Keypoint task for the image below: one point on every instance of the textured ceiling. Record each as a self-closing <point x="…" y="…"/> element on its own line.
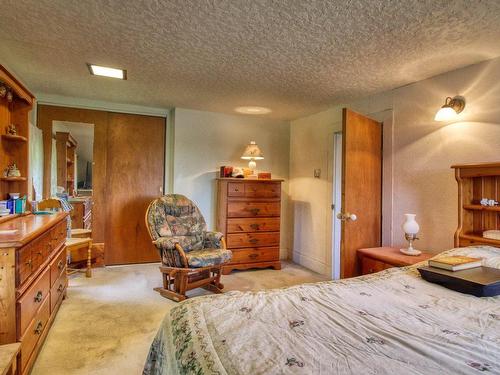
<point x="296" y="57"/>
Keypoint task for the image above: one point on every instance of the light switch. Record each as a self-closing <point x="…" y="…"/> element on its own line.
<point x="317" y="173"/>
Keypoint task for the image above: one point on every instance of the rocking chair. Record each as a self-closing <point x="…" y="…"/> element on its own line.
<point x="191" y="256"/>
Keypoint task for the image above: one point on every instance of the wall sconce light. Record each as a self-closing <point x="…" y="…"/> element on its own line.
<point x="451" y="108"/>
<point x="252" y="153"/>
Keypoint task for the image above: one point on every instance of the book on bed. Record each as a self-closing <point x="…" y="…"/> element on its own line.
<point x="480" y="281"/>
<point x="455" y="263"/>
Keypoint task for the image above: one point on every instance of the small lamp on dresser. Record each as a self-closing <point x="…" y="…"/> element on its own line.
<point x="252" y="152"/>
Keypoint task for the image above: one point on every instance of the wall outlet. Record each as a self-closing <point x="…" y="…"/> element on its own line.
<point x="317" y="173"/>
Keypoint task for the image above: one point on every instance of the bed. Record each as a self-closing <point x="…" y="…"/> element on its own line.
<point x="391" y="322"/>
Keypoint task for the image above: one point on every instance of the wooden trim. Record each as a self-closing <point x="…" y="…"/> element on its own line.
<point x="234" y="179"/>
<point x="20" y="90"/>
<point x="477" y="165"/>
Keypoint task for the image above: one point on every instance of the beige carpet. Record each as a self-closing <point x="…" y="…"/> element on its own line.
<point x="107" y="323"/>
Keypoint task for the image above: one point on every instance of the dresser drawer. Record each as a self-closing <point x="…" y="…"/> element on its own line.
<point x="369" y="265"/>
<point x="269" y="224"/>
<point x="249" y="255"/>
<point x="58" y="235"/>
<point x="57" y="266"/>
<point x="235" y="240"/>
<point x="236" y="189"/>
<point x="262" y="190"/>
<point x="57" y="290"/>
<point x="23" y="264"/>
<point x="34" y="331"/>
<point x="40" y="250"/>
<point x="32" y="299"/>
<point x="253" y="209"/>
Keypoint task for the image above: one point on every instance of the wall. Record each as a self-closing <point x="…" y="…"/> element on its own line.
<point x="205" y="140"/>
<point x="418" y="153"/>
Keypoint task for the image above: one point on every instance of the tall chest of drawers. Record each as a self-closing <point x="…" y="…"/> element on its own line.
<point x="32" y="281"/>
<point x="248" y="214"/>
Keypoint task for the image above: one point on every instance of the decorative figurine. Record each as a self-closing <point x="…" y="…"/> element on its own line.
<point x="11" y="129"/>
<point x="13" y="171"/>
<point x="3" y="91"/>
<point x="10" y="96"/>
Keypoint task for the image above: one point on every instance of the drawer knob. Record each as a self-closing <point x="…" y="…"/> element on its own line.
<point x="60" y="288"/>
<point x="28" y="263"/>
<point x="39" y="328"/>
<point x="39" y="296"/>
<point x="254" y="211"/>
<point x="254" y="240"/>
<point x="253" y="256"/>
<point x="255" y="226"/>
<point x="60" y="264"/>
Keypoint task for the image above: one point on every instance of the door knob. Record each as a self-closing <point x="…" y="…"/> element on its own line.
<point x="346" y="216"/>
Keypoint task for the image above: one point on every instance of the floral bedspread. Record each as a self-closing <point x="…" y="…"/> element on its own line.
<point x="392" y="322"/>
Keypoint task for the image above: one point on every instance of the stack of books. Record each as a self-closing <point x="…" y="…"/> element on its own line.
<point x="463" y="274"/>
<point x="455" y="263"/>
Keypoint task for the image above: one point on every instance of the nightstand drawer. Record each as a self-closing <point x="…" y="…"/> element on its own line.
<point x="369" y="265"/>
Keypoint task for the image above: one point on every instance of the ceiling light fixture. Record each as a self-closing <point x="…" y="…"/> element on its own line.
<point x="451" y="108"/>
<point x="251" y="110"/>
<point x="104" y="71"/>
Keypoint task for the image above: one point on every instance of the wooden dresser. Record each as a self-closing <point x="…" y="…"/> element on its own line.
<point x="81" y="216"/>
<point x="248" y="213"/>
<point x="32" y="281"/>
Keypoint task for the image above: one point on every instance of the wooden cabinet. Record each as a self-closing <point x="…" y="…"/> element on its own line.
<point x="376" y="259"/>
<point x="248" y="213"/>
<point x="33" y="275"/>
<point x="14" y="147"/>
<point x="475" y="182"/>
<point x="81" y="215"/>
<point x="66" y="161"/>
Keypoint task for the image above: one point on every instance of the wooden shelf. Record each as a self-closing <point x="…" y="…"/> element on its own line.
<point x="478" y="207"/>
<point x="13" y="178"/>
<point x="15" y="138"/>
<point x="477" y="237"/>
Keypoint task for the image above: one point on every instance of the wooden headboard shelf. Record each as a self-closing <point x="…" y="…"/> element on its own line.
<point x="477" y="181"/>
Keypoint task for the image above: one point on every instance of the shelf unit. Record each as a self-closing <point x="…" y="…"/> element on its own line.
<point x="66" y="158"/>
<point x="477" y="181"/>
<point x="14" y="148"/>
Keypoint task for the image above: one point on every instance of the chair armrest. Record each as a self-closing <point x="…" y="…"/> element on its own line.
<point x="171" y="251"/>
<point x="167" y="243"/>
<point x="212" y="240"/>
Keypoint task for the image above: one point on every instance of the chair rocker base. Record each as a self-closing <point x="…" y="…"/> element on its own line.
<point x="177" y="281"/>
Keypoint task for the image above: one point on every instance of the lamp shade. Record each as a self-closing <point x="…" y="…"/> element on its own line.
<point x="445" y="114"/>
<point x="252" y="152"/>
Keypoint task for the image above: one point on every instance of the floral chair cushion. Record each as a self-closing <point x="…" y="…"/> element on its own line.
<point x="208" y="257"/>
<point x="174" y="219"/>
<point x="176" y="215"/>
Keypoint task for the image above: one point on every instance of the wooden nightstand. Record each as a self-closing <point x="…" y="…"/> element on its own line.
<point x="376" y="259"/>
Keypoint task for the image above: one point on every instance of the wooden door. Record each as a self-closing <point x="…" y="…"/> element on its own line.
<point x="135" y="168"/>
<point x="361" y="188"/>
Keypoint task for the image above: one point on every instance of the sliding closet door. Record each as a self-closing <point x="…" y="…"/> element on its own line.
<point x="135" y="168"/>
<point x="361" y="188"/>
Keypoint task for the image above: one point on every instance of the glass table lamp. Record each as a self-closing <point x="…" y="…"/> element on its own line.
<point x="410" y="229"/>
<point x="252" y="152"/>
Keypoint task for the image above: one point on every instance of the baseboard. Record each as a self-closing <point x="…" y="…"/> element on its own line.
<point x="311" y="263"/>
